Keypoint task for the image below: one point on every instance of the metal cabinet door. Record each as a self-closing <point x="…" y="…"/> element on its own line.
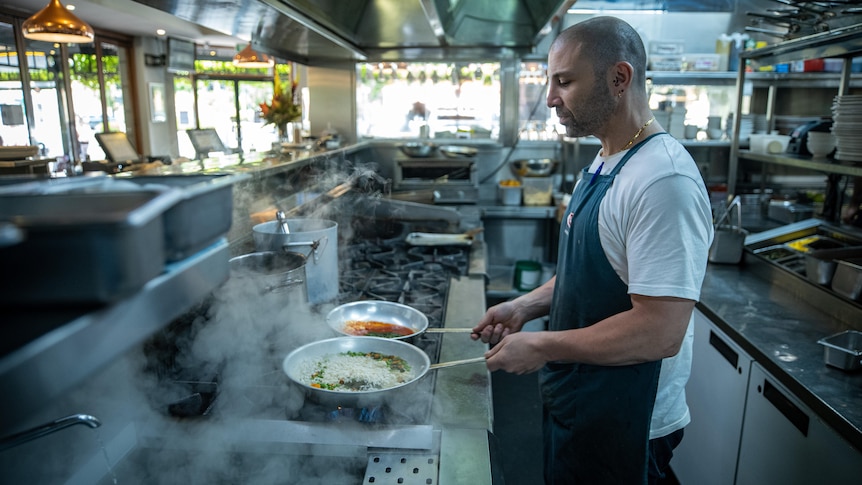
<point x="716" y="399"/>
<point x="784" y="442"/>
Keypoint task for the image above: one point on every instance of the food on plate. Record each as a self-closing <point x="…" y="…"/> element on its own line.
<point x="355" y="371"/>
<point x="373" y="328"/>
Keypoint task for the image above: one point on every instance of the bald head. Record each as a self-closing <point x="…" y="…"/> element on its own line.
<point x="608" y="40"/>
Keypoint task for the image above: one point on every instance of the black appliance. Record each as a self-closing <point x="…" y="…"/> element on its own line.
<point x="798" y="143"/>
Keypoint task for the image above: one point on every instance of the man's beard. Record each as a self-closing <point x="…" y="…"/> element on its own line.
<point x="589" y="119"/>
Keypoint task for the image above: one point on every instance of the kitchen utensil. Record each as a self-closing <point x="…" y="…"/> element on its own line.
<point x="384" y="312"/>
<point x="536" y="167"/>
<point x="847" y="279"/>
<point x="417" y="150"/>
<point x="457" y="151"/>
<point x="297" y="360"/>
<point x="203" y="213"/>
<point x="319" y="237"/>
<point x="273" y="272"/>
<point x="843" y="350"/>
<point x="410" y="321"/>
<point x="435" y="239"/>
<point x="820" y="265"/>
<point x="728" y="240"/>
<point x="83" y="248"/>
<point x="510" y="192"/>
<point x="282" y="221"/>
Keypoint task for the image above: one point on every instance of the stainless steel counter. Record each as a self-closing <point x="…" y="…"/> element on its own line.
<point x="780" y="331"/>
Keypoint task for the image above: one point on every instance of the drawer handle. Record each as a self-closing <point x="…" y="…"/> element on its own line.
<point x="796" y="416"/>
<point x="723" y="349"/>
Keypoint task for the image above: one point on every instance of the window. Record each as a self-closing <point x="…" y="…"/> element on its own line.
<point x="454" y="100"/>
<point x="98" y="72"/>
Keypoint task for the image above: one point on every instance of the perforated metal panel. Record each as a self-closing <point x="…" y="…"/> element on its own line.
<point x="398" y="467"/>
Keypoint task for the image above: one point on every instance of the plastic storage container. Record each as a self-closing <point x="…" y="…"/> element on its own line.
<point x="538" y="190"/>
<point x="510" y="194"/>
<point x="527" y="275"/>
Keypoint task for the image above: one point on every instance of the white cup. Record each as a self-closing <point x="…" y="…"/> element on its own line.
<point x="690" y="132"/>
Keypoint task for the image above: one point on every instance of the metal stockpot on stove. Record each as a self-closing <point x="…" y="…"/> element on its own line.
<point x="318" y="239"/>
<point x="273" y="272"/>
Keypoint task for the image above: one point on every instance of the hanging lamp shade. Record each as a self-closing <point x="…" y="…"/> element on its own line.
<point x="55" y="23"/>
<point x="250" y="58"/>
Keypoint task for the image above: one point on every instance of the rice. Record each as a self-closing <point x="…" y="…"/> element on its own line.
<point x="354" y="371"/>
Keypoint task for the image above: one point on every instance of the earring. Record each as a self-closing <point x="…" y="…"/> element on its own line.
<point x="620" y="94"/>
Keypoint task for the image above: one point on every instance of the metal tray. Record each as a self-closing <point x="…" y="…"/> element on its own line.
<point x="202" y="214"/>
<point x="843" y="350"/>
<point x="847" y="280"/>
<point x="82" y="248"/>
<point x="820" y="265"/>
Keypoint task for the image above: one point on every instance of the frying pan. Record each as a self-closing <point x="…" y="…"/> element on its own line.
<point x="418" y="361"/>
<point x="384" y="312"/>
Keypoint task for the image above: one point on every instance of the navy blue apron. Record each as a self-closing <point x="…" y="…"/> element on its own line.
<point x="596" y="418"/>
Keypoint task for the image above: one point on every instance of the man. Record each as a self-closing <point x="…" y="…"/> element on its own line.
<point x="633" y="251"/>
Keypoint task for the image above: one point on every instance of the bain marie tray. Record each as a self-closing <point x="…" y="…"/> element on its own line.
<point x="843" y="350"/>
<point x="203" y="213"/>
<point x="82" y="248"/>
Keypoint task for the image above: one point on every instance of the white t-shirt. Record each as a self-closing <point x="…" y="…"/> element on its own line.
<point x="640" y="214"/>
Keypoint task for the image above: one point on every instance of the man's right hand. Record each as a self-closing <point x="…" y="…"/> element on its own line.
<point x="500" y="320"/>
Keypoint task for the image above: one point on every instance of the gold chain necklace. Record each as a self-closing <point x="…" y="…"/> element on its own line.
<point x="649" y="121"/>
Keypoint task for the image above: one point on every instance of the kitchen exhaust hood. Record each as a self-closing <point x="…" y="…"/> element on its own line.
<point x="327" y="31"/>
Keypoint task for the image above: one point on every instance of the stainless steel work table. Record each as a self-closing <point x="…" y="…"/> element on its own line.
<point x="770" y="324"/>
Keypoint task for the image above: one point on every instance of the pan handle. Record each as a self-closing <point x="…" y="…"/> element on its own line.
<point x="440" y="365"/>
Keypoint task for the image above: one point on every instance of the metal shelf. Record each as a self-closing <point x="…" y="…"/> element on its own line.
<point x="843" y="42"/>
<point x="802" y="162"/>
<point x="78" y="345"/>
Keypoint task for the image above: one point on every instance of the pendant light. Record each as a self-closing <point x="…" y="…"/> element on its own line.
<point x="250" y="58"/>
<point x="55" y="23"/>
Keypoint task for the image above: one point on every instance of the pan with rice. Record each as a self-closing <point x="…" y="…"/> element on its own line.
<point x="355" y="370"/>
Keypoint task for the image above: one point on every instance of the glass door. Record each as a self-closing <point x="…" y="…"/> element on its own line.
<point x="13" y="120"/>
<point x="232" y="108"/>
<point x="98" y="73"/>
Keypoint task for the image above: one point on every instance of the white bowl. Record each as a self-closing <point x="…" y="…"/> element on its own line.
<point x="820" y="135"/>
<point x="820" y="148"/>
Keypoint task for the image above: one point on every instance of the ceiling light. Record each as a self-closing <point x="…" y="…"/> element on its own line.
<point x="249" y="58"/>
<point x="56" y="24"/>
<point x="160" y="32"/>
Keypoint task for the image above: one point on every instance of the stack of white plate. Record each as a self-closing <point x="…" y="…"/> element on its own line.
<point x="760" y="125"/>
<point x="847" y="127"/>
<point x="746" y="126"/>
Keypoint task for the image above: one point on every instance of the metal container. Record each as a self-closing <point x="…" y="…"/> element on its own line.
<point x="843" y="350"/>
<point x="317" y="239"/>
<point x="296" y="361"/>
<point x="81" y="248"/>
<point x="728" y="241"/>
<point x="847" y="279"/>
<point x="820" y="265"/>
<point x="418" y="150"/>
<point x="272" y="272"/>
<point x="379" y="311"/>
<point x="537" y="167"/>
<point x="510" y="194"/>
<point x="788" y="212"/>
<point x="201" y="216"/>
<point x="458" y="151"/>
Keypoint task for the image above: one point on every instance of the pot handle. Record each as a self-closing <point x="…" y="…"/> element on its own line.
<point x="317" y="247"/>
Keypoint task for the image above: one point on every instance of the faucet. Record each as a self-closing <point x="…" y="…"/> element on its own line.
<point x="47" y="428"/>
